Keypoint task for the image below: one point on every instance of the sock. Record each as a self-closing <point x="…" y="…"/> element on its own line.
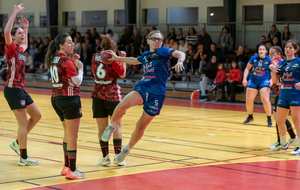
<point x="72" y="159"/>
<point x="289" y="129"/>
<point x="104" y="147"/>
<point x="66" y="154"/>
<point x="17" y="141"/>
<point x="251" y="116"/>
<point x="278" y="139"/>
<point x="23" y="153"/>
<point x="283" y="140"/>
<point x="117" y="145"/>
<point x="269" y="118"/>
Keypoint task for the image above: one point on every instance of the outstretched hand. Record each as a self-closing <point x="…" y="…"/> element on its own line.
<point x="24" y="22"/>
<point x="114" y="56"/>
<point x="122" y="53"/>
<point x="274" y="68"/>
<point x="178" y="67"/>
<point x="19" y="8"/>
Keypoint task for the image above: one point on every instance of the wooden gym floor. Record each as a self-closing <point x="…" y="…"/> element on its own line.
<point x="190" y="145"/>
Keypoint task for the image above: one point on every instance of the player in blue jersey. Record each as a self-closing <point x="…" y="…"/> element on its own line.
<point x="150" y="91"/>
<point x="259" y="80"/>
<point x="289" y="99"/>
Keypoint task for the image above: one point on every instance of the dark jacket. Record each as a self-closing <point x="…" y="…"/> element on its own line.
<point x="205" y="40"/>
<point x="212" y="70"/>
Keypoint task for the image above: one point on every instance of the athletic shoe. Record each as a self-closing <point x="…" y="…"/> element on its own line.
<point x="14" y="145"/>
<point x="104" y="161"/>
<point x="27" y="162"/>
<point x="202" y="98"/>
<point x="119" y="163"/>
<point x="270" y="123"/>
<point x="77" y="174"/>
<point x="248" y="120"/>
<point x="107" y="132"/>
<point x="281" y="147"/>
<point x="64" y="171"/>
<point x="296" y="151"/>
<point x="293" y="142"/>
<point x="273" y="145"/>
<point x="122" y="155"/>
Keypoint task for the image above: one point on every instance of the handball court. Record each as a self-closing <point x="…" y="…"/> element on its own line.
<point x="190" y="145"/>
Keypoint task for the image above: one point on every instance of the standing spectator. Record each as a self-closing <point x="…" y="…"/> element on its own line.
<point x="189" y="59"/>
<point x="134" y="43"/>
<point x="234" y="78"/>
<point x="276" y="42"/>
<point x="182" y="45"/>
<point x="77" y="46"/>
<point x="286" y="35"/>
<point x="263" y="40"/>
<point x="220" y="81"/>
<point x="114" y="36"/>
<point x="179" y="35"/>
<point x="144" y="41"/>
<point x="241" y="58"/>
<point x="172" y="34"/>
<point x="208" y="77"/>
<point x="274" y="33"/>
<point x="214" y="52"/>
<point x="86" y="56"/>
<point x="98" y="47"/>
<point x="204" y="39"/>
<point x="192" y="36"/>
<point x="225" y="41"/>
<point x="200" y="57"/>
<point x="124" y="39"/>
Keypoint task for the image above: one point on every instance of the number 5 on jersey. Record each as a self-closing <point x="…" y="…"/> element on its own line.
<point x="54" y="74"/>
<point x="100" y="72"/>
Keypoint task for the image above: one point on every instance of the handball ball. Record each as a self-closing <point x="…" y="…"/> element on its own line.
<point x="105" y="57"/>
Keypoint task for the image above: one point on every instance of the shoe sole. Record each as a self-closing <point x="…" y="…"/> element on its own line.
<point x="107" y="164"/>
<point x="74" y="178"/>
<point x="14" y="149"/>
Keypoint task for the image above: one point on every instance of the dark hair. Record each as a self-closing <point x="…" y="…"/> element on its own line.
<point x="225" y="27"/>
<point x="220" y="64"/>
<point x="14" y="30"/>
<point x="214" y="45"/>
<point x="155" y="32"/>
<point x="274" y="26"/>
<point x="236" y="63"/>
<point x="295" y="45"/>
<point x="108" y="44"/>
<point x="182" y="39"/>
<point x="153" y="28"/>
<point x="264" y="45"/>
<point x="109" y="31"/>
<point x="288" y="33"/>
<point x="54" y="46"/>
<point x="277" y="50"/>
<point x="193" y="31"/>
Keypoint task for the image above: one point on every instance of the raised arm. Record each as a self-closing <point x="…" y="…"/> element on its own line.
<point x="10" y="23"/>
<point x="25" y="25"/>
<point x="128" y="60"/>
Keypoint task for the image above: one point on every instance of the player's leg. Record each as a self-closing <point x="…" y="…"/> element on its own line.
<point x="250" y="96"/>
<point x="295" y="111"/>
<point x="282" y="113"/>
<point x="265" y="99"/>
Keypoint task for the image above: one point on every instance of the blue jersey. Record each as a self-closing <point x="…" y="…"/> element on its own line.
<point x="289" y="75"/>
<point x="155" y="67"/>
<point x="260" y="68"/>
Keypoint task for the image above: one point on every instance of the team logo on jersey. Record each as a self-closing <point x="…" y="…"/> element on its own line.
<point x="287" y="76"/>
<point x="148" y="68"/>
<point x="23" y="102"/>
<point x="56" y="59"/>
<point x="98" y="58"/>
<point x="296" y="65"/>
<point x="21" y="57"/>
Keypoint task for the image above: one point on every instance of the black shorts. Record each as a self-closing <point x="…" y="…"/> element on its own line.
<point x="67" y="107"/>
<point x="103" y="108"/>
<point x="275" y="103"/>
<point x="17" y="98"/>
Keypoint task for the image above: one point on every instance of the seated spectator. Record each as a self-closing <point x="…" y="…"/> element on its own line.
<point x="234" y="78"/>
<point x="274" y="33"/>
<point x="80" y="38"/>
<point x="44" y="47"/>
<point x="191" y="36"/>
<point x="208" y="77"/>
<point x="153" y="28"/>
<point x="114" y="36"/>
<point x="263" y="40"/>
<point x="124" y="39"/>
<point x="214" y="52"/>
<point x="269" y="44"/>
<point x="98" y="47"/>
<point x="220" y="81"/>
<point x="49" y="35"/>
<point x="146" y="47"/>
<point x="72" y="33"/>
<point x="173" y="44"/>
<point x="276" y="42"/>
<point x="32" y="41"/>
<point x="286" y="35"/>
<point x="132" y="70"/>
<point x="89" y="43"/>
<point x="39" y="42"/>
<point x="94" y="35"/>
<point x="172" y="34"/>
<point x="38" y="59"/>
<point x="225" y="41"/>
<point x="32" y="51"/>
<point x="201" y="57"/>
<point x="132" y="49"/>
<point x="77" y="46"/>
<point x="86" y="56"/>
<point x="144" y="41"/>
<point x="2" y="42"/>
<point x="179" y="35"/>
<point x="29" y="61"/>
<point x="182" y="45"/>
<point x="204" y="39"/>
<point x="189" y="59"/>
<point x="166" y="42"/>
<point x="241" y="58"/>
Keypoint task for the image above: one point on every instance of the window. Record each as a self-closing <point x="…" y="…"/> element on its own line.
<point x="3" y="20"/>
<point x="287" y="12"/>
<point x="182" y="15"/>
<point x="94" y="18"/>
<point x="43" y="20"/>
<point x="216" y="15"/>
<point x="119" y="19"/>
<point x="253" y="13"/>
<point x="150" y="16"/>
<point x="69" y="18"/>
<point x="29" y="16"/>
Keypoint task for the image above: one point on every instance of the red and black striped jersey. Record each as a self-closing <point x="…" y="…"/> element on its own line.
<point x="16" y="62"/>
<point x="62" y="69"/>
<point x="106" y="76"/>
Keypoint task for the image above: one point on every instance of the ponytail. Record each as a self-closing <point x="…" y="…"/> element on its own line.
<point x="50" y="53"/>
<point x="108" y="44"/>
